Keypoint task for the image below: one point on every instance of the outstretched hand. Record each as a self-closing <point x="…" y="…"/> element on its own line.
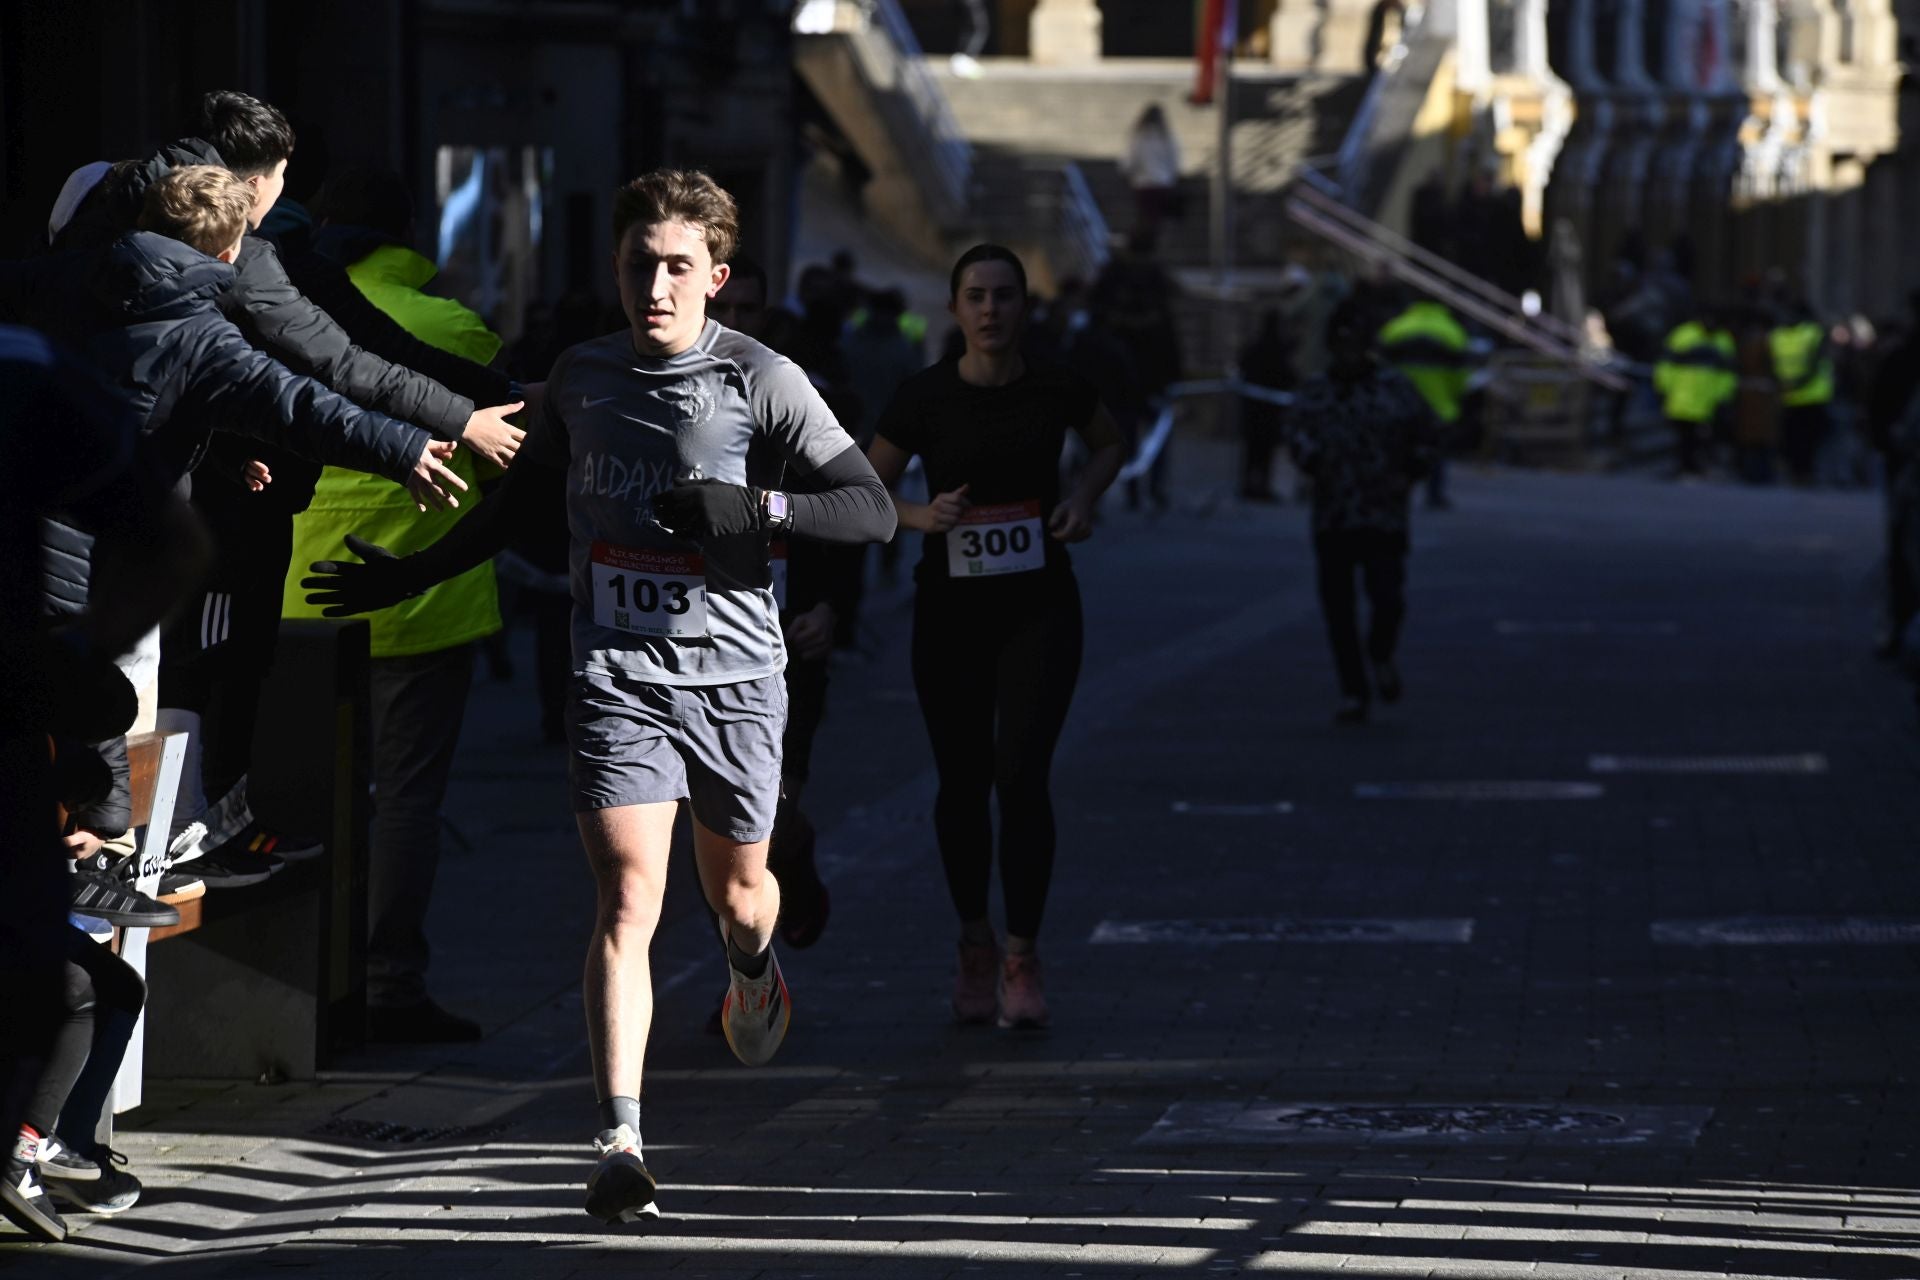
<point x="430" y="473"/>
<point x="342" y="588"/>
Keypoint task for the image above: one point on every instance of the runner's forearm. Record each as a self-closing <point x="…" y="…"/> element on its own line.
<point x="486" y="531"/>
<point x="851" y="506"/>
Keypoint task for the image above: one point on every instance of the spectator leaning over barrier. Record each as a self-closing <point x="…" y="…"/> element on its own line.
<point x="1429" y="346"/>
<point x="216" y="657"/>
<point x="422" y="647"/>
<point x="142" y="313"/>
<point x="1695" y="380"/>
<point x="1803" y="366"/>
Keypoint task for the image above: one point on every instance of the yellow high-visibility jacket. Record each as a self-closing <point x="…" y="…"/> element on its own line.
<point x="462" y="608"/>
<point x="1429" y="347"/>
<point x="1801" y="364"/>
<point x="1695" y="373"/>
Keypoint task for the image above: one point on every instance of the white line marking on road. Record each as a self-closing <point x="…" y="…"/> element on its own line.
<point x="1789" y="931"/>
<point x="1258" y="1123"/>
<point x="1517" y="790"/>
<point x="1806" y="762"/>
<point x="1200" y="809"/>
<point x="1584" y="627"/>
<point x="1282" y="929"/>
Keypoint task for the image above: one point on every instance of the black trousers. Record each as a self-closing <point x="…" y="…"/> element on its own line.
<point x="1803" y="429"/>
<point x="994" y="664"/>
<point x="1378" y="559"/>
<point x="103" y="999"/>
<point x="418" y="704"/>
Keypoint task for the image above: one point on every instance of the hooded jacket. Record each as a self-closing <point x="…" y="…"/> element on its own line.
<point x="143" y="313"/>
<point x="278" y="316"/>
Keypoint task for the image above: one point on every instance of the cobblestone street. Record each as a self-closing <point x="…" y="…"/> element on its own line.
<point x="1594" y="958"/>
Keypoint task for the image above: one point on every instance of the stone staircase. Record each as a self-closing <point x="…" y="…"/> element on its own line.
<point x="1016" y="114"/>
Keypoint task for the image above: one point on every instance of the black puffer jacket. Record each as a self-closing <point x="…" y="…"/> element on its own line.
<point x="143" y="313"/>
<point x="278" y="316"/>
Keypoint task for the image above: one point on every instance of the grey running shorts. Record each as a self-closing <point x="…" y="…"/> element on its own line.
<point x="718" y="745"/>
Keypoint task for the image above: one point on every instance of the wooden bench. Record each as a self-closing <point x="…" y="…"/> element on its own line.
<point x="154" y="762"/>
<point x="265" y="981"/>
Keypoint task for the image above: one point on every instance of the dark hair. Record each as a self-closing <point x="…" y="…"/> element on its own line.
<point x="361" y="197"/>
<point x="250" y="135"/>
<point x="680" y="195"/>
<point x="987" y="253"/>
<point x="747" y="270"/>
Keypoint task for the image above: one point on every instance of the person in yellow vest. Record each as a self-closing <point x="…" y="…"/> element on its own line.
<point x="422" y="648"/>
<point x="1695" y="380"/>
<point x="1803" y="366"/>
<point x="1430" y="348"/>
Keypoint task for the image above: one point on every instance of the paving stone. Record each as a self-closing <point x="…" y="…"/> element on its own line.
<point x="886" y="1142"/>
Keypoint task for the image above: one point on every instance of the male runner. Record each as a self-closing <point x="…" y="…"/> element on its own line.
<point x="676" y="640"/>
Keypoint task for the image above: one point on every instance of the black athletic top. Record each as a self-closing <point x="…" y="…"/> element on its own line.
<point x="1004" y="442"/>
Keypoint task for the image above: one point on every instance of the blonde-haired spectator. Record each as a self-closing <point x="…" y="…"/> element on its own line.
<point x="201" y="205"/>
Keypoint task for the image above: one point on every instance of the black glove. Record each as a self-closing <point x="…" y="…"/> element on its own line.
<point x="701" y="509"/>
<point x="344" y="588"/>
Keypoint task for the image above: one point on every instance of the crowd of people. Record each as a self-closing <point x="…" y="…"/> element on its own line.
<point x="251" y="407"/>
<point x="291" y="425"/>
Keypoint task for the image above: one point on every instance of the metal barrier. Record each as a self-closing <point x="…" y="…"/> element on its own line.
<point x="1154" y="443"/>
<point x="1082" y="225"/>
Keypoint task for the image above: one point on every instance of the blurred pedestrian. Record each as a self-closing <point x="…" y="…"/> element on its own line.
<point x="1265" y="362"/>
<point x="1695" y="380"/>
<point x="1803" y="367"/>
<point x="1365" y="436"/>
<point x="1427" y="343"/>
<point x="1152" y="170"/>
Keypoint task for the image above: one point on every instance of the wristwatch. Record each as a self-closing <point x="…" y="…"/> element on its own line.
<point x="779" y="508"/>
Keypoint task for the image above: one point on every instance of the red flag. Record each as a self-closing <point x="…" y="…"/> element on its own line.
<point x="1214" y="34"/>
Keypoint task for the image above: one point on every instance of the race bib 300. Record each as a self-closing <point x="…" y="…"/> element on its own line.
<point x="649" y="593"/>
<point x="995" y="540"/>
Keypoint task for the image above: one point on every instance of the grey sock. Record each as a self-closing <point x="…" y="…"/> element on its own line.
<point x="751" y="966"/>
<point x="622" y="1110"/>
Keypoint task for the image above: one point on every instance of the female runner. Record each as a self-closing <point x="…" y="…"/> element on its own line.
<point x="996" y="621"/>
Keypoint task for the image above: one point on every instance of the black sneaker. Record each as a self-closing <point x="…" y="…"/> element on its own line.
<point x="255" y="841"/>
<point x="60" y="1163"/>
<point x="423" y="1023"/>
<point x="104" y="897"/>
<point x="177" y="887"/>
<point x="1386" y="678"/>
<point x="233" y="870"/>
<point x="1352" y="711"/>
<point x="620" y="1190"/>
<point x="109" y="1191"/>
<point x="24" y="1199"/>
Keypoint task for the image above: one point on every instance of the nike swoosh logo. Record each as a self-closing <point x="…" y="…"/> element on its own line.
<point x="589" y="403"/>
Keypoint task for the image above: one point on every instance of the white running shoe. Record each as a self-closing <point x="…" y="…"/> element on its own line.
<point x="756" y="1012"/>
<point x="620" y="1189"/>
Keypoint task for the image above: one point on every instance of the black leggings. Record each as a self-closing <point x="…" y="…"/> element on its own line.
<point x="103" y="1000"/>
<point x="994" y="664"/>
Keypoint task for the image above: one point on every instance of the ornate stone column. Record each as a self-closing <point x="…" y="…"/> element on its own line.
<point x="1293" y="35"/>
<point x="1065" y="33"/>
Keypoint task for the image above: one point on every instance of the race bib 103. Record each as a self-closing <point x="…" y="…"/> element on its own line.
<point x="995" y="540"/>
<point x="649" y="593"/>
